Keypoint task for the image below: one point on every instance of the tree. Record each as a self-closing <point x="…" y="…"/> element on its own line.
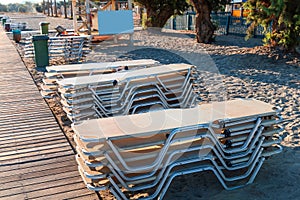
<point x="280" y="19"/>
<point x="12" y="7"/>
<point x="29" y="6"/>
<point x="159" y="11"/>
<point x="38" y="7"/>
<point x="22" y="9"/>
<point x="3" y="8"/>
<point x="204" y="26"/>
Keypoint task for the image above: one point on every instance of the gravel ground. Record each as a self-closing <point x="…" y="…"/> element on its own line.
<point x="231" y="68"/>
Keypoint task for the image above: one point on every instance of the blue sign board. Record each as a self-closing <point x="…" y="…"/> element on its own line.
<point x="115" y="22"/>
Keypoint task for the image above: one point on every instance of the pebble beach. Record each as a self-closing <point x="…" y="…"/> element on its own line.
<point x="231" y="68"/>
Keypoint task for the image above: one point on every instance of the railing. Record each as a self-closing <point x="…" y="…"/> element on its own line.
<point x="225" y="23"/>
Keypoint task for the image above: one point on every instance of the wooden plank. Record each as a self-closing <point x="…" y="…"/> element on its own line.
<point x="72" y="194"/>
<point x="34" y="119"/>
<point x="39" y="189"/>
<point x="15" y="196"/>
<point x="52" y="153"/>
<point x="12" y="98"/>
<point x="22" y="77"/>
<point x="17" y="76"/>
<point x="30" y="145"/>
<point x="31" y="141"/>
<point x="21" y="100"/>
<point x="26" y="111"/>
<point x="40" y="165"/>
<point x="11" y="79"/>
<point x="23" y="118"/>
<point x="32" y="179"/>
<point x="20" y="153"/>
<point x="58" y="190"/>
<point x="16" y="92"/>
<point x="28" y="123"/>
<point x="30" y="108"/>
<point x="26" y="81"/>
<point x="21" y="115"/>
<point x="15" y="135"/>
<point x="35" y="131"/>
<point x="35" y="101"/>
<point x="12" y="85"/>
<point x="25" y="95"/>
<point x="27" y="126"/>
<point x="81" y="194"/>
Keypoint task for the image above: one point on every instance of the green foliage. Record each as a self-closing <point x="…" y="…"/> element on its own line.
<point x="38" y="7"/>
<point x="13" y="7"/>
<point x="283" y="16"/>
<point x="22" y="9"/>
<point x="159" y="11"/>
<point x="3" y="8"/>
<point x="59" y="3"/>
<point x="218" y="5"/>
<point x="16" y="7"/>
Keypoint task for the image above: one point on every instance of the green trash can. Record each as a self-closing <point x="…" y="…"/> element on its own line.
<point x="3" y="21"/>
<point x="16" y="35"/>
<point x="41" y="54"/>
<point x="44" y="26"/>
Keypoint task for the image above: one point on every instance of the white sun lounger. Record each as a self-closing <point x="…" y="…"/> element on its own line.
<point x="123" y="152"/>
<point x="133" y="91"/>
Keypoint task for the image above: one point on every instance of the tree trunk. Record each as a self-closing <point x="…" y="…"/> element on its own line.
<point x="204" y="26"/>
<point x="55" y="8"/>
<point x="48" y="7"/>
<point x="70" y="3"/>
<point x="44" y="7"/>
<point x="51" y="8"/>
<point x="65" y="9"/>
<point x="157" y="19"/>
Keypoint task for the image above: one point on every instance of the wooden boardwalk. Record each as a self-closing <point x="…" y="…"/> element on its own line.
<point x="36" y="160"/>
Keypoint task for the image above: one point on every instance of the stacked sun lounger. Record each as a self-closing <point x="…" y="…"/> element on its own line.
<point x="21" y="26"/>
<point x="59" y="72"/>
<point x="129" y="154"/>
<point x="129" y="92"/>
<point x="72" y="48"/>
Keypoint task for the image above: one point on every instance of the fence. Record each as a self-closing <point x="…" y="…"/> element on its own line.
<point x="225" y="23"/>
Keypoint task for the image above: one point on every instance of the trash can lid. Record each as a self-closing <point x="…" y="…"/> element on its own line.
<point x="39" y="37"/>
<point x="16" y="31"/>
<point x="60" y="29"/>
<point x="44" y="23"/>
